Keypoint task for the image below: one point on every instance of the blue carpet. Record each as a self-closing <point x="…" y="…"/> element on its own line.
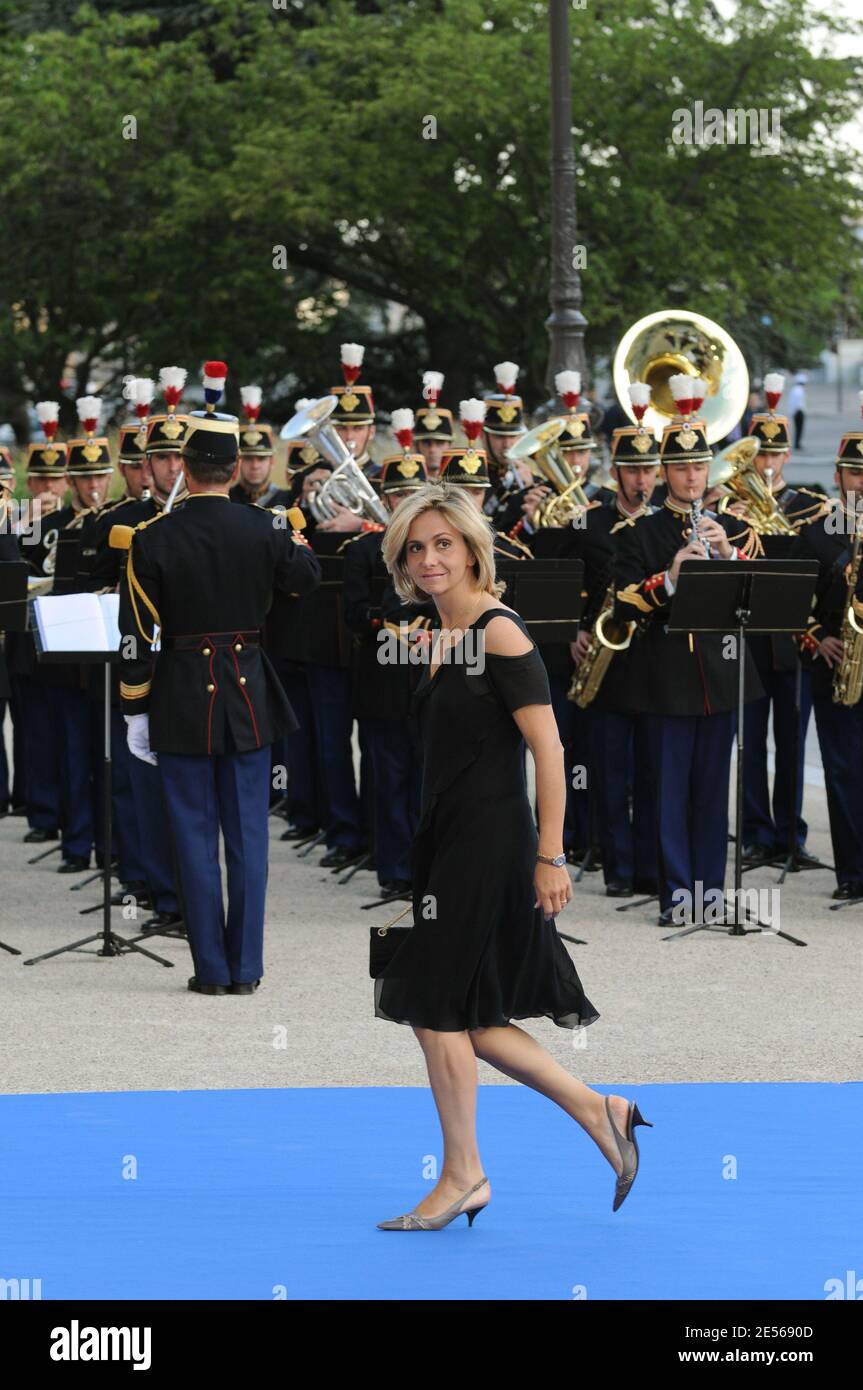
<point x="745" y="1191"/>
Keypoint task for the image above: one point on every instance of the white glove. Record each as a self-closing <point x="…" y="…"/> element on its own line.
<point x="138" y="737"/>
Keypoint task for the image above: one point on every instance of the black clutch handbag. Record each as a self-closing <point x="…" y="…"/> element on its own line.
<point x="385" y="941"/>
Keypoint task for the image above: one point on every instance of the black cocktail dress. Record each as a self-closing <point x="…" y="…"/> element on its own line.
<point x="479" y="953"/>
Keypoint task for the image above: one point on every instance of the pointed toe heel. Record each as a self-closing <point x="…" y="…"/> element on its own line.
<point x="412" y="1222"/>
<point x="628" y="1148"/>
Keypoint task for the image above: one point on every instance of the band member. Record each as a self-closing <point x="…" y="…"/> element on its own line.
<point x="38" y="688"/>
<point x="287" y="643"/>
<point x="622" y="768"/>
<point x="89" y="471"/>
<point x="766" y="830"/>
<point x="354" y="415"/>
<point x="433" y="430"/>
<point x="691" y="693"/>
<point x="382" y="685"/>
<point x="257" y="456"/>
<point x="208" y="705"/>
<point x="831" y="539"/>
<point x="468" y="468"/>
<point x="503" y="426"/>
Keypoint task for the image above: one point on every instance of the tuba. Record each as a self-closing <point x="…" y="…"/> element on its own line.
<point x="677" y="340"/>
<point x="745" y="484"/>
<point x="347" y="485"/>
<point x="549" y="462"/>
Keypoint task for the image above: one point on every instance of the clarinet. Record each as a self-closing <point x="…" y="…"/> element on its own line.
<point x="696" y="514"/>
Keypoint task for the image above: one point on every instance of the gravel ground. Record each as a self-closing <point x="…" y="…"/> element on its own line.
<point x="710" y="1008"/>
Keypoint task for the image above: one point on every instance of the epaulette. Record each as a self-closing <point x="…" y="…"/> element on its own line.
<point x="142" y="525"/>
<point x="117" y="502"/>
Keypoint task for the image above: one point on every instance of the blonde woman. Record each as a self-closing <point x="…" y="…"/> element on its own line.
<point x="484" y="949"/>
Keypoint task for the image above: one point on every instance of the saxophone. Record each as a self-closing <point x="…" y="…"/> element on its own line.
<point x="605" y="639"/>
<point x="848" y="676"/>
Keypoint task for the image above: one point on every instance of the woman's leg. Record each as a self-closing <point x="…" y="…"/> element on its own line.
<point x="515" y="1053"/>
<point x="451" y="1064"/>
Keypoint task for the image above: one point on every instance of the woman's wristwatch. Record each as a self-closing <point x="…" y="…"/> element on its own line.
<point x="558" y="861"/>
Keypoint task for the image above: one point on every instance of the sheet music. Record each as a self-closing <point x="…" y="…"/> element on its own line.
<point x="78" y="622"/>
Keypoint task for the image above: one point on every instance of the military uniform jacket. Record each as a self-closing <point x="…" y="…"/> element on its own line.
<point x="779" y="651"/>
<point x="681" y="673"/>
<point x="825" y="541"/>
<point x="21" y="646"/>
<point x="206" y="574"/>
<point x="108" y="564"/>
<point x="381" y="689"/>
<point x="596" y="542"/>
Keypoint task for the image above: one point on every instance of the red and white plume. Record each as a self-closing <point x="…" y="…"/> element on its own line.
<point x="472" y="416"/>
<point x="171" y="383"/>
<point x="251" y="397"/>
<point x="699" y="391"/>
<point x="774" y="385"/>
<point x="89" y="412"/>
<point x="403" y="427"/>
<point x="681" y="390"/>
<point x="432" y="384"/>
<point x="506" y="374"/>
<point x="143" y="390"/>
<point x="568" y="387"/>
<point x="639" y="399"/>
<point x="352" y="360"/>
<point x="49" y="415"/>
<point x="213" y="378"/>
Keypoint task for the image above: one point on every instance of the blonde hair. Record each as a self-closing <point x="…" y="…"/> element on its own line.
<point x="463" y="515"/>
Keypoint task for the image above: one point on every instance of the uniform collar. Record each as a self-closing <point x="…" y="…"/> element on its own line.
<point x="192" y="495"/>
<point x="679" y="508"/>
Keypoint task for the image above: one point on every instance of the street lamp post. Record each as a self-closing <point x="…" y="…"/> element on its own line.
<point x="565" y="323"/>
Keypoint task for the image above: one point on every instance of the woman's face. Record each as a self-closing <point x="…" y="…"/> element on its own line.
<point x="437" y="555"/>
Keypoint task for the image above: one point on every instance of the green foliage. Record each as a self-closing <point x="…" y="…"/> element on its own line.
<point x="303" y="127"/>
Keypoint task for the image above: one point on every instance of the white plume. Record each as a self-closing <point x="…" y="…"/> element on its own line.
<point x="352" y="354"/>
<point x="47" y="411"/>
<point x="505" y="374"/>
<point x="251" y="395"/>
<point x="89" y="408"/>
<point x="639" y="393"/>
<point x="172" y="376"/>
<point x="472" y="409"/>
<point x="564" y="382"/>
<point x="402" y="419"/>
<point x="774" y="381"/>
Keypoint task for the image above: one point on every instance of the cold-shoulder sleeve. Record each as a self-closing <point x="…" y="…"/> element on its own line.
<point x="519" y="680"/>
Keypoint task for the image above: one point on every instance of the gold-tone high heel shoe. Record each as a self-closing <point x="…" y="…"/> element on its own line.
<point x="412" y="1222"/>
<point x="628" y="1148"/>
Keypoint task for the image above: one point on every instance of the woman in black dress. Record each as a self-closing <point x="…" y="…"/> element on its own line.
<point x="484" y="949"/>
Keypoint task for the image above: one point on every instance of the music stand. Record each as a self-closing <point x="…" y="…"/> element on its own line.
<point x="753" y="596"/>
<point x="112" y="944"/>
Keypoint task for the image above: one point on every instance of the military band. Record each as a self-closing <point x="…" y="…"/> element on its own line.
<point x="265" y="638"/>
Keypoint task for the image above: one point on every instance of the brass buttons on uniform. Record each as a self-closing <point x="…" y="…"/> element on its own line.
<point x="238" y="646"/>
<point x="242" y="680"/>
<point x="206" y="651"/>
<point x="211" y="688"/>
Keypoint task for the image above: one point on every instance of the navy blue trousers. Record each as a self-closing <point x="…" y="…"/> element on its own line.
<point x="82" y="757"/>
<point x="125" y="833"/>
<point x="694" y="760"/>
<point x="840" y="734"/>
<point x="624" y="775"/>
<point x="155" y="841"/>
<point x="573" y="726"/>
<point x="396" y="787"/>
<point x="330" y="695"/>
<point x="759" y="826"/>
<point x="40" y="712"/>
<point x="201" y="794"/>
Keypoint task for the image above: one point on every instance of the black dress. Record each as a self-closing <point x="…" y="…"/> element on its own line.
<point x="479" y="953"/>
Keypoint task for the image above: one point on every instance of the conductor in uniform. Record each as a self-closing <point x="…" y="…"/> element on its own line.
<point x="207" y="706"/>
